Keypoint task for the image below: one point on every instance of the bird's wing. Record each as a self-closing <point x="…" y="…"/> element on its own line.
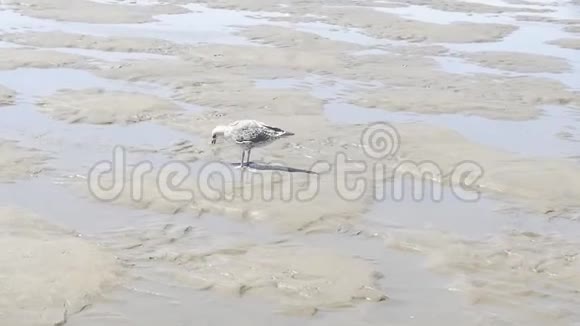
<point x="275" y="130"/>
<point x="251" y="133"/>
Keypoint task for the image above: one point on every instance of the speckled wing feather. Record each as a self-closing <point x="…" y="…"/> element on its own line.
<point x="250" y="132"/>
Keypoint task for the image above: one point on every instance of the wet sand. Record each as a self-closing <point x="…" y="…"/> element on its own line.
<point x="491" y="84"/>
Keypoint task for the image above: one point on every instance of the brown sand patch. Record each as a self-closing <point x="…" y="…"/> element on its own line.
<point x="520" y="62"/>
<point x="47" y="273"/>
<point x="92" y="12"/>
<point x="6" y="96"/>
<point x="12" y="58"/>
<point x="82" y="41"/>
<point x="18" y="162"/>
<point x="98" y="106"/>
<point x="569" y="43"/>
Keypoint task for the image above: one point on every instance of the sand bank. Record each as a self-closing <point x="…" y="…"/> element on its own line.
<point x="390" y="26"/>
<point x="92" y="11"/>
<point x="97" y="106"/>
<point x="12" y="58"/>
<point x="47" y="273"/>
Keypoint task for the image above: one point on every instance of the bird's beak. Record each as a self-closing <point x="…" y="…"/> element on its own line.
<point x="213" y="141"/>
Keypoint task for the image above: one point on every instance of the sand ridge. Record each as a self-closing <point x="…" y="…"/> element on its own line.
<point x="12" y="58"/>
<point x="289" y="78"/>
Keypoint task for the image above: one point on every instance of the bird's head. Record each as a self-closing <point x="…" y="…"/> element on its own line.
<point x="217" y="132"/>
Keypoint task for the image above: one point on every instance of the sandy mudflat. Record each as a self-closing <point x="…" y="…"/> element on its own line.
<point x="299" y="232"/>
<point x="98" y="106"/>
<point x="47" y="273"/>
<point x="92" y="11"/>
<point x="12" y="58"/>
<point x="390" y="26"/>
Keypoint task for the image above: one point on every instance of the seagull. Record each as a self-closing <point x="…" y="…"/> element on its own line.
<point x="249" y="134"/>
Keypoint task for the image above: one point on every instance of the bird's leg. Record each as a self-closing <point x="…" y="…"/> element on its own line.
<point x="248" y="162"/>
<point x="243" y="155"/>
